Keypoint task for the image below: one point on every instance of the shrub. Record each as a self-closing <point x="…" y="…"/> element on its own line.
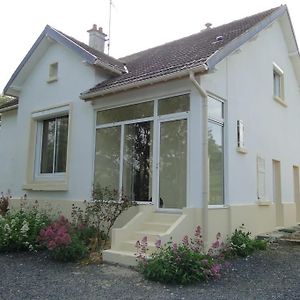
<point x="19" y="229"/>
<point x="63" y="240"/>
<point x="181" y="263"/>
<point x="99" y="215"/>
<point x="4" y="203"/>
<point x="241" y="244"/>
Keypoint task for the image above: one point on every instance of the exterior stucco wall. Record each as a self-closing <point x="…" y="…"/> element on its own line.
<point x="245" y="80"/>
<point x="8" y="143"/>
<point x="74" y="76"/>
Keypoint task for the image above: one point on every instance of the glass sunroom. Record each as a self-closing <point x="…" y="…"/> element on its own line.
<point x="142" y="151"/>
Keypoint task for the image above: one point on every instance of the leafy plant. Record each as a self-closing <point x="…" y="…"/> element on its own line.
<point x="19" y="229"/>
<point x="100" y="214"/>
<point x="181" y="263"/>
<point x="241" y="244"/>
<point x="63" y="241"/>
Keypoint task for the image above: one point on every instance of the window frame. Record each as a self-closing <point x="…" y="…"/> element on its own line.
<point x="219" y="121"/>
<point x="277" y="71"/>
<point x="39" y="117"/>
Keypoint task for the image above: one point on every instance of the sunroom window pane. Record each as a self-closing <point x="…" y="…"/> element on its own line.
<point x="138" y="161"/>
<point x="61" y="144"/>
<point x="174" y="105"/>
<point x="216" y="164"/>
<point x="48" y="140"/>
<point x="130" y="112"/>
<point x="107" y="159"/>
<point x="215" y="108"/>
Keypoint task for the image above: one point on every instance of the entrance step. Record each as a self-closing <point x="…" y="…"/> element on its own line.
<point x="150" y="224"/>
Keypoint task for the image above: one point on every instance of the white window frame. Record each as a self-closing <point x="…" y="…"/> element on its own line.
<point x="220" y="122"/>
<point x="156" y="119"/>
<point x="279" y="98"/>
<point x="40" y="117"/>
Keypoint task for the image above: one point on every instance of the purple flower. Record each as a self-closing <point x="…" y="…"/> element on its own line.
<point x="185" y="240"/>
<point x="174" y="247"/>
<point x="158" y="244"/>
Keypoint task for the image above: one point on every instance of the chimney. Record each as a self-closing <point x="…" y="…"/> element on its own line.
<point x="97" y="38"/>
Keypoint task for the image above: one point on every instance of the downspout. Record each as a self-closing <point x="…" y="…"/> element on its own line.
<point x="205" y="192"/>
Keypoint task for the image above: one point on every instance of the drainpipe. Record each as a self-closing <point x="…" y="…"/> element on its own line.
<point x="205" y="192"/>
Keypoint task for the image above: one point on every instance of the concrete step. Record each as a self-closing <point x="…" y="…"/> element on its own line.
<point x="130" y="246"/>
<point x="169" y="218"/>
<point x="155" y="226"/>
<point x="152" y="236"/>
<point x="126" y="258"/>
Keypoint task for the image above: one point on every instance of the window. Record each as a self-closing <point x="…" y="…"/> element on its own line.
<point x="278" y="84"/>
<point x="53" y="72"/>
<point x="216" y="150"/>
<point x="128" y="154"/>
<point x="52" y="144"/>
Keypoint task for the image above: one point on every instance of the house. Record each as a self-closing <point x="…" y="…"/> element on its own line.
<point x="201" y="130"/>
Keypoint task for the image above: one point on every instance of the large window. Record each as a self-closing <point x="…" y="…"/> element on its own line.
<point x="53" y="140"/>
<point x="216" y="151"/>
<point x="135" y="141"/>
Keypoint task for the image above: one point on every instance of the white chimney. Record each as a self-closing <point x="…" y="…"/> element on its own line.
<point x="97" y="38"/>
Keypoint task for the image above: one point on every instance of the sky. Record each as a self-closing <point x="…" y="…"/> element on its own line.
<point x="135" y="24"/>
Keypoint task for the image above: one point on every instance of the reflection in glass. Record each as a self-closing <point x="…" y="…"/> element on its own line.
<point x="173" y="164"/>
<point x="216" y="169"/>
<point x="54" y="145"/>
<point x="215" y="108"/>
<point x="129" y="112"/>
<point x="107" y="158"/>
<point x="61" y="144"/>
<point x="173" y="105"/>
<point x="48" y="140"/>
<point x="138" y="161"/>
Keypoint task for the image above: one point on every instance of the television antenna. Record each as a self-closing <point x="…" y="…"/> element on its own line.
<point x="109" y="25"/>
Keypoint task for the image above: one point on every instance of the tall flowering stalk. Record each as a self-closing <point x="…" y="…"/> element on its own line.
<point x="183" y="262"/>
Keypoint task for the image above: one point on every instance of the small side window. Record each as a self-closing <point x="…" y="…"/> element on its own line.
<point x="278" y="84"/>
<point x="53" y="72"/>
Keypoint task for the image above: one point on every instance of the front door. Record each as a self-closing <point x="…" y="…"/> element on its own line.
<point x="172" y="177"/>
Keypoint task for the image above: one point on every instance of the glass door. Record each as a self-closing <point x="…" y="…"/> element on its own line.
<point x="137" y="161"/>
<point x="172" y="180"/>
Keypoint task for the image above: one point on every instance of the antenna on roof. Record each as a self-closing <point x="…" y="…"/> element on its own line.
<point x="109" y="26"/>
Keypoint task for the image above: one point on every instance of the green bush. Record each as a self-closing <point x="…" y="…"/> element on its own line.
<point x="19" y="229"/>
<point x="241" y="243"/>
<point x="181" y="263"/>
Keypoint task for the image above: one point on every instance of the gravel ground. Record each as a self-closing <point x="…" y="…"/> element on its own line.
<point x="271" y="274"/>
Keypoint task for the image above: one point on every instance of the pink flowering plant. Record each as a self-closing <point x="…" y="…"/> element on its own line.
<point x="63" y="240"/>
<point x="183" y="263"/>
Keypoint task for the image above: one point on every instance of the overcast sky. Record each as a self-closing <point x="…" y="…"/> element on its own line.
<point x="136" y="24"/>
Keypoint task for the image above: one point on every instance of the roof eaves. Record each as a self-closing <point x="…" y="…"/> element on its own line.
<point x="87" y="96"/>
<point x="220" y="54"/>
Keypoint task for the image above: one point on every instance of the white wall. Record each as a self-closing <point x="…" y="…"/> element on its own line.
<point x="74" y="76"/>
<point x="7" y="151"/>
<point x="271" y="130"/>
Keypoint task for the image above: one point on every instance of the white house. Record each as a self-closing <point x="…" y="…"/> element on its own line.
<point x="202" y="130"/>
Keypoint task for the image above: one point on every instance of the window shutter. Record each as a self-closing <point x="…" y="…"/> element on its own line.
<point x="261" y="178"/>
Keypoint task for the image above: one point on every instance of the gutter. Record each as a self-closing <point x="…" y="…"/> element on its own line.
<point x="184" y="73"/>
<point x="5" y="109"/>
<point x="205" y="158"/>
